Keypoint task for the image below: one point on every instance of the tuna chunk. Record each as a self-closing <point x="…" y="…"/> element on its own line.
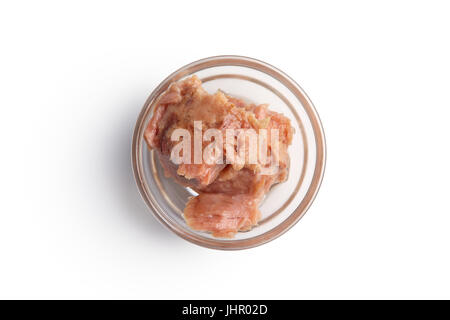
<point x="229" y="194"/>
<point x="178" y="108"/>
<point x="222" y="214"/>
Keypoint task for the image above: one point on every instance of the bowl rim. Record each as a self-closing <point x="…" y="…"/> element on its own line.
<point x="296" y="90"/>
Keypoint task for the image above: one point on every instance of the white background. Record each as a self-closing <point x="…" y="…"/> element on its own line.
<point x="74" y="76"/>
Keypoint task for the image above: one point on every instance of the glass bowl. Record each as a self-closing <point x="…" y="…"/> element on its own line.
<point x="253" y="81"/>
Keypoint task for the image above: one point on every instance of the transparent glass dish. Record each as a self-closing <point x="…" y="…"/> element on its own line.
<point x="253" y="81"/>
